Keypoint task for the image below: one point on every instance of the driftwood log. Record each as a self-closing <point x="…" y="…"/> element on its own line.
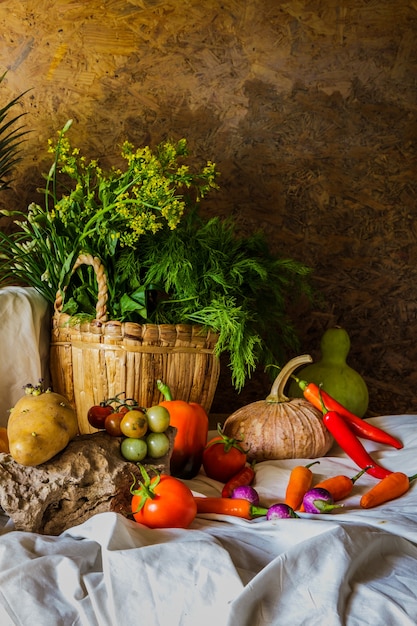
<point x="88" y="477"/>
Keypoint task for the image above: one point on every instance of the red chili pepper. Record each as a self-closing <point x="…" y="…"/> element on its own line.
<point x="317" y="396"/>
<point x="244" y="477"/>
<point x="348" y="441"/>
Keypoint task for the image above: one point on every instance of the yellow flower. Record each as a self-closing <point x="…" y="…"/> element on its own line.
<point x="124" y="203"/>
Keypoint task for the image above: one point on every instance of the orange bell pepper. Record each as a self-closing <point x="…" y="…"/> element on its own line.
<point x="191" y="421"/>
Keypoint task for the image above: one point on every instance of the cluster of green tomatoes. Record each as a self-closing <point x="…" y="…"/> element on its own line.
<point x="144" y="430"/>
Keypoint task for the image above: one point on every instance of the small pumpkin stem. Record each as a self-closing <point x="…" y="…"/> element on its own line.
<point x="277" y="390"/>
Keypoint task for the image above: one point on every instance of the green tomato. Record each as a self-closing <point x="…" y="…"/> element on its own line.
<point x="134" y="449"/>
<point x="158" y="445"/>
<point x="158" y="418"/>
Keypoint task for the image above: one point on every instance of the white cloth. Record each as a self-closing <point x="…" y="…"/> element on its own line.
<point x="352" y="567"/>
<point x="24" y="343"/>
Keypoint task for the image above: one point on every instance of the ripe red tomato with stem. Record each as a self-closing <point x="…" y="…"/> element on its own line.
<point x="97" y="414"/>
<point x="162" y="502"/>
<point x="223" y="457"/>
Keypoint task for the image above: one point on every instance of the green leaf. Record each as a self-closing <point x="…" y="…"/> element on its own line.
<point x="136" y="302"/>
<point x="11" y="138"/>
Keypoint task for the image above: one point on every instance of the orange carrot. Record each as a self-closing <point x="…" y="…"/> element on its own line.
<point x="392" y="486"/>
<point x="237" y="507"/>
<point x="300" y="481"/>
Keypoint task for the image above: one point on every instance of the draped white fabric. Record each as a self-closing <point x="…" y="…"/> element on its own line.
<point x="24" y="343"/>
<point x="352" y="567"/>
<point x="348" y="568"/>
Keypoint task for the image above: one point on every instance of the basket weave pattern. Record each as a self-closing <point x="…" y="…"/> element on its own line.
<point x="97" y="360"/>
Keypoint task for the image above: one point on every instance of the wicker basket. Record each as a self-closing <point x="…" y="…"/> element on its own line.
<point x="93" y="361"/>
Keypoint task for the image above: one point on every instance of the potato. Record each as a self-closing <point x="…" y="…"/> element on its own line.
<point x="40" y="425"/>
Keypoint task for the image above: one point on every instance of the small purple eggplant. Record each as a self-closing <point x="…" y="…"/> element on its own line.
<point x="319" y="500"/>
<point x="246" y="492"/>
<point x="280" y="511"/>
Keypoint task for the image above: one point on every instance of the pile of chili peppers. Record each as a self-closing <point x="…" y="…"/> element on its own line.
<point x="346" y="429"/>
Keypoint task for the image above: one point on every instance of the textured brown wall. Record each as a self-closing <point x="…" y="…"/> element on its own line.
<point x="309" y="109"/>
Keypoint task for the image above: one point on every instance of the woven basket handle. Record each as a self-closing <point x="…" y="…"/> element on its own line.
<point x="101" y="310"/>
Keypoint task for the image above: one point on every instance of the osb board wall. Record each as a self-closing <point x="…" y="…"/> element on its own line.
<point x="309" y="110"/>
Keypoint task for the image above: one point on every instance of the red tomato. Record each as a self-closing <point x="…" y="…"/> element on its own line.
<point x="173" y="504"/>
<point x="112" y="424"/>
<point x="223" y="457"/>
<point x="97" y="414"/>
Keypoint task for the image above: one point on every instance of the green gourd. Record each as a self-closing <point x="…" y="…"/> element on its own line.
<point x="333" y="373"/>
